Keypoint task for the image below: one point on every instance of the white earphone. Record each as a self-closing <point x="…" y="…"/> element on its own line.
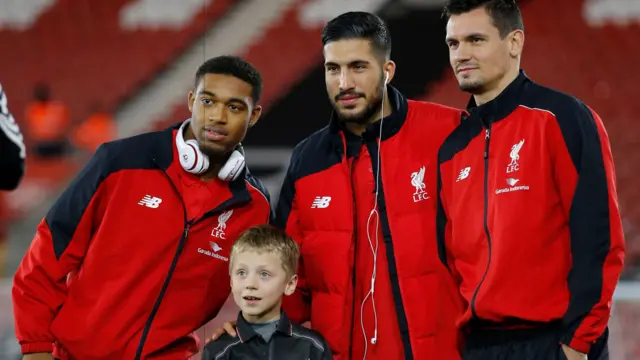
<point x="195" y="161"/>
<point x="374" y="247"/>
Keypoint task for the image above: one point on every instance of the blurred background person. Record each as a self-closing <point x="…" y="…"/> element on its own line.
<point x="47" y="123"/>
<point x="98" y="128"/>
<point x="135" y="56"/>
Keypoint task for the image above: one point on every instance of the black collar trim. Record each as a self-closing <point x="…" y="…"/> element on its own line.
<point x="503" y="105"/>
<point x="246" y="333"/>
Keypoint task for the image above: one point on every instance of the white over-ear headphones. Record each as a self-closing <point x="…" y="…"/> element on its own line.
<point x="196" y="162"/>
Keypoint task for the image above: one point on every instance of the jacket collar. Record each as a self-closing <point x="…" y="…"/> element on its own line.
<point x="162" y="156"/>
<point x="246" y="332"/>
<point x="390" y="126"/>
<point x="503" y="105"/>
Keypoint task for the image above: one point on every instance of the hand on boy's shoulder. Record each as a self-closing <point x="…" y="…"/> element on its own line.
<point x="228" y="327"/>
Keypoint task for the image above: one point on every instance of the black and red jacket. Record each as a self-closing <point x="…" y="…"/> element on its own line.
<point x="325" y="203"/>
<point x="528" y="218"/>
<point x="290" y="341"/>
<point x="12" y="149"/>
<point x="118" y="269"/>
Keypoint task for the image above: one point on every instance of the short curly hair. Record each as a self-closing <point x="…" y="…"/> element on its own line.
<point x="236" y="67"/>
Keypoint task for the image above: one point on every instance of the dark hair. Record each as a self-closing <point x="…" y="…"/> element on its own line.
<point x="359" y="25"/>
<point x="505" y="14"/>
<point x="42" y="92"/>
<point x="236" y="67"/>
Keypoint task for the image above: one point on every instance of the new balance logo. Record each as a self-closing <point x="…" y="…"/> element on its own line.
<point x="464" y="173"/>
<point x="321" y="202"/>
<point x="150" y="202"/>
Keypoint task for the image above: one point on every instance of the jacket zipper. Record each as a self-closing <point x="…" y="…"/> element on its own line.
<point x="487" y="139"/>
<point x="272" y="347"/>
<point x="355" y="252"/>
<point x="165" y="285"/>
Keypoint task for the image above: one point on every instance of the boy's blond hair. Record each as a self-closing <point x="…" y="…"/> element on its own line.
<point x="266" y="238"/>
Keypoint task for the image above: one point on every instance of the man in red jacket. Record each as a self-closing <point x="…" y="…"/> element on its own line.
<point x="528" y="218"/>
<point x="133" y="256"/>
<point x="358" y="198"/>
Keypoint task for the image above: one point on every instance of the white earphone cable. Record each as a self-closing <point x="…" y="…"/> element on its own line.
<point x="374" y="248"/>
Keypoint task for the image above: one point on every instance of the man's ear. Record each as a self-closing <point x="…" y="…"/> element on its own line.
<point x="516" y="43"/>
<point x="255" y="115"/>
<point x="290" y="288"/>
<point x="390" y="68"/>
<point x="190" y="99"/>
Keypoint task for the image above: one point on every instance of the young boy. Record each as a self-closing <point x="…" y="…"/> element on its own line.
<point x="263" y="266"/>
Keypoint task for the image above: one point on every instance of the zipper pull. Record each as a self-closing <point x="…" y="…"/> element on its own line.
<point x="487" y="137"/>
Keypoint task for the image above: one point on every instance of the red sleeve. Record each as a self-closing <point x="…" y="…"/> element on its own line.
<point x="60" y="243"/>
<point x="585" y="178"/>
<point x="298" y="305"/>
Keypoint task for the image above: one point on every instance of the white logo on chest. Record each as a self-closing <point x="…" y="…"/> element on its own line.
<point x="515" y="156"/>
<point x="513" y="166"/>
<point x="417" y="180"/>
<point x="215" y="247"/>
<point x="218" y="231"/>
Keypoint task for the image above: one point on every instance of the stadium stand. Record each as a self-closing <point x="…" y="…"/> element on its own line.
<point x="81" y="48"/>
<point x="89" y="52"/>
<point x="284" y="54"/>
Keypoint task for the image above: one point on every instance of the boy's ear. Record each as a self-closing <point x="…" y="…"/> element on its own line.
<point x="291" y="285"/>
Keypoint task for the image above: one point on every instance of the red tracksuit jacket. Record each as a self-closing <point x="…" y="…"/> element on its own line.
<point x="528" y="218"/>
<point x="325" y="203"/>
<point x="118" y="269"/>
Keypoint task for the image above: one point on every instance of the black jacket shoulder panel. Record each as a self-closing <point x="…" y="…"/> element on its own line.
<point x="573" y="116"/>
<point x="316" y="153"/>
<point x="144" y="151"/>
<point x="256" y="183"/>
<point x="218" y="349"/>
<point x="459" y="139"/>
<point x="310" y="335"/>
